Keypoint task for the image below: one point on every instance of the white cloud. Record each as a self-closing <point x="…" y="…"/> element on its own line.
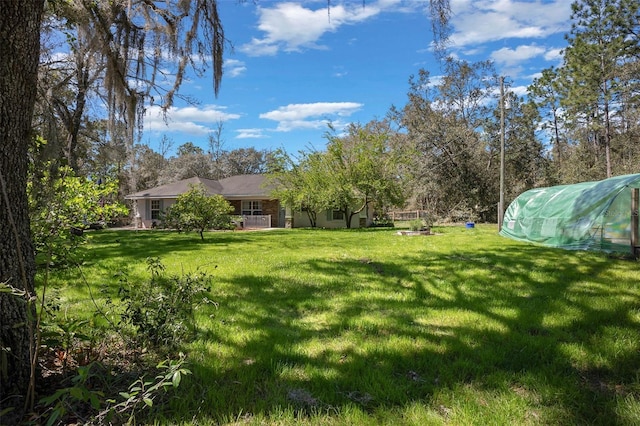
<point x="292" y="27"/>
<point x="250" y="134"/>
<point x="234" y="68"/>
<point x="510" y="57"/>
<point x="534" y="76"/>
<point x="191" y="120"/>
<point x="519" y="90"/>
<point x="554" y="54"/>
<point x="435" y="80"/>
<point x="339" y="71"/>
<point x="479" y="21"/>
<point x="310" y="116"/>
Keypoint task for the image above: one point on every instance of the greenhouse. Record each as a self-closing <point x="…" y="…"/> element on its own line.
<point x="600" y="216"/>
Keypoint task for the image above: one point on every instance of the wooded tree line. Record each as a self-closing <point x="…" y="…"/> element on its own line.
<point x="153" y="169"/>
<point x="578" y="121"/>
<point x="88" y="109"/>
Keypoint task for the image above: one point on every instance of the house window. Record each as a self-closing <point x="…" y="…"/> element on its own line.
<point x="155" y="209"/>
<point x="251" y="207"/>
<point x="337" y="215"/>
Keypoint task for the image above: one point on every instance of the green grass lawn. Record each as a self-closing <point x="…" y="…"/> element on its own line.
<point x="369" y="327"/>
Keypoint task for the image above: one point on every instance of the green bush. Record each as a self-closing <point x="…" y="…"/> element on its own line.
<point x="94" y="394"/>
<point x="155" y="314"/>
<point x="416" y="225"/>
<point x="62" y="205"/>
<point x="382" y="222"/>
<point x="160" y="311"/>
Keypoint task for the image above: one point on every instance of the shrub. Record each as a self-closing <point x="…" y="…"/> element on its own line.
<point x="416" y="225"/>
<point x="91" y="394"/>
<point x="160" y="311"/>
<point x="382" y="222"/>
<point x="62" y="205"/>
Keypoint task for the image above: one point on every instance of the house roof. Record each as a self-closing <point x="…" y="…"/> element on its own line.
<point x="243" y="186"/>
<point x="234" y="187"/>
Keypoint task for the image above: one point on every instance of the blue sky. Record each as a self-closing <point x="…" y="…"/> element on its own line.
<point x="295" y="66"/>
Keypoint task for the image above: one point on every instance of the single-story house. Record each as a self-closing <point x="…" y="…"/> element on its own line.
<point x="248" y="195"/>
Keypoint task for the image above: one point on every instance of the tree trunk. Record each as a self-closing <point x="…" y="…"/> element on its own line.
<point x="312" y="215"/>
<point x="73" y="126"/>
<point x="347" y="217"/>
<point x="75" y="118"/>
<point x="607" y="132"/>
<point x="19" y="50"/>
<point x="351" y="218"/>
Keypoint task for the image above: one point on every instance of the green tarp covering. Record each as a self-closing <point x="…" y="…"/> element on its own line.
<point x="583" y="216"/>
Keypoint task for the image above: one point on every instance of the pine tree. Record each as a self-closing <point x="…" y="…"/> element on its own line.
<point x="599" y="46"/>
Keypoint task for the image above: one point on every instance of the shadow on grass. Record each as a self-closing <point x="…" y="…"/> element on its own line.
<point x="382" y="335"/>
<point x="138" y="245"/>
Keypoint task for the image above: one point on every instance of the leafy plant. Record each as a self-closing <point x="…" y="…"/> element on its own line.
<point x="382" y="222"/>
<point x="142" y="393"/>
<point x="72" y="398"/>
<point x="64" y="337"/>
<point x="160" y="311"/>
<point x="81" y="400"/>
<point x="197" y="210"/>
<point x="62" y="205"/>
<point x="416" y="225"/>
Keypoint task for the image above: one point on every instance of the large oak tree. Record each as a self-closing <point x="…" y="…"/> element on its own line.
<point x="19" y="48"/>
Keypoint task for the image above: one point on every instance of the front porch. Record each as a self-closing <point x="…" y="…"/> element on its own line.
<point x="257" y="221"/>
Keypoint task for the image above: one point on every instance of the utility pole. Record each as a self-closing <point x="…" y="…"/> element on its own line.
<point x="501" y="203"/>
